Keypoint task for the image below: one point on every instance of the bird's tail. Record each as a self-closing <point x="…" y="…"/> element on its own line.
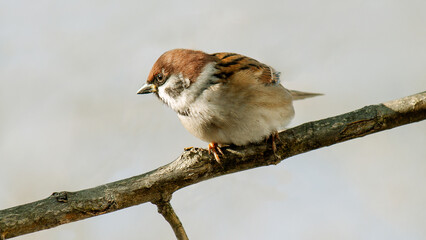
<point x="297" y="95"/>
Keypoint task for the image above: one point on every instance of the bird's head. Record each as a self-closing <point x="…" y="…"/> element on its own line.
<point x="178" y="76"/>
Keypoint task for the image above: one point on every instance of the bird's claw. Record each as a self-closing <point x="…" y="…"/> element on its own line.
<point x="274" y="137"/>
<point x="215" y="149"/>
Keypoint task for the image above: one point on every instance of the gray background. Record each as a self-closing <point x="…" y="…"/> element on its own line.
<point x="70" y="118"/>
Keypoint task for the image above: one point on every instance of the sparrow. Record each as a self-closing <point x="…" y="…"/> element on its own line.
<point x="223" y="98"/>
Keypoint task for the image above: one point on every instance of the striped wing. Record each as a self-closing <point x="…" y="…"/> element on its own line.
<point x="229" y="63"/>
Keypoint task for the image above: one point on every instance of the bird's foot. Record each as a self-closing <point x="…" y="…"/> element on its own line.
<point x="188" y="148"/>
<point x="274" y="137"/>
<point x="215" y="149"/>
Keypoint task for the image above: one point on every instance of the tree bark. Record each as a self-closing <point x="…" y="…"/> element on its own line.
<point x="196" y="165"/>
<point x="166" y="209"/>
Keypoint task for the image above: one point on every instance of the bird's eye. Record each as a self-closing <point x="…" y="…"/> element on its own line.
<point x="160" y="78"/>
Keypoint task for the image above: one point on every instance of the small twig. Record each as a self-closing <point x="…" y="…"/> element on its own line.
<point x="166" y="209"/>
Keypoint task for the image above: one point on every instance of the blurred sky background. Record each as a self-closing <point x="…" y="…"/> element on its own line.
<point x="70" y="117"/>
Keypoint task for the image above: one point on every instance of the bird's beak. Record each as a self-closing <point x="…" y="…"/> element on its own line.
<point x="148" y="88"/>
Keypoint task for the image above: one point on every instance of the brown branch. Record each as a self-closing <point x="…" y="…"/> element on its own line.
<point x="196" y="165"/>
<point x="166" y="209"/>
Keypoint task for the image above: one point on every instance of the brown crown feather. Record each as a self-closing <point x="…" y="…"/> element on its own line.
<point x="187" y="62"/>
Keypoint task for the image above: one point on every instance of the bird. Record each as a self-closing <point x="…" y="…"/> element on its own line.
<point x="223" y="98"/>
